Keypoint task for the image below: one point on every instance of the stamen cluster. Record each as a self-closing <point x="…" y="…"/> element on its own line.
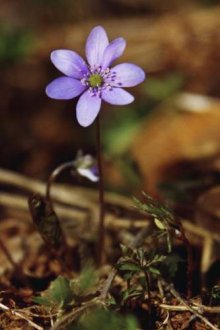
<point x="98" y="79"/>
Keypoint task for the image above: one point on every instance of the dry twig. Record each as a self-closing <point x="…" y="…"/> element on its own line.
<point x="198" y="308"/>
<point x="34" y="325"/>
<point x="188" y="307"/>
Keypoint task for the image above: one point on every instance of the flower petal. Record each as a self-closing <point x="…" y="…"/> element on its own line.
<point x="69" y="63"/>
<point x="88" y="173"/>
<point x="114" y="50"/>
<point x="128" y="75"/>
<point x="64" y="88"/>
<point x="87" y="109"/>
<point x="95" y="46"/>
<point x="117" y="96"/>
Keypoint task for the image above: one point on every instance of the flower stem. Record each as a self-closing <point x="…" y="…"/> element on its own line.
<point x="52" y="179"/>
<point x="101" y="229"/>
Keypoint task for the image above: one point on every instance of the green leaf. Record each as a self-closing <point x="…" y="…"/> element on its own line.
<point x="131" y="293"/>
<point x="126" y="250"/>
<point x="60" y="291"/>
<point x="58" y="294"/>
<point x="129" y="266"/>
<point x="42" y="301"/>
<point x="128" y="276"/>
<point x="216" y="293"/>
<point x="140" y="255"/>
<point x="111" y="301"/>
<point x="102" y="319"/>
<point x="154" y="271"/>
<point x="159" y="258"/>
<point x="88" y="279"/>
<point x="158" y="211"/>
<point x="159" y="224"/>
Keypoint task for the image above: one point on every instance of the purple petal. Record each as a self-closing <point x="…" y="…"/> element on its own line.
<point x="114" y="50"/>
<point x="117" y="96"/>
<point x="64" y="88"/>
<point x="95" y="46"/>
<point x="128" y="75"/>
<point x="69" y="63"/>
<point x="88" y="173"/>
<point x="87" y="108"/>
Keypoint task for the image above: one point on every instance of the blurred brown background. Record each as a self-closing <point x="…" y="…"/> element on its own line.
<point x="166" y="142"/>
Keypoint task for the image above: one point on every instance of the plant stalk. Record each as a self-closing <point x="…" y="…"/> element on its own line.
<point x="52" y="179"/>
<point x="101" y="229"/>
<point x="149" y="297"/>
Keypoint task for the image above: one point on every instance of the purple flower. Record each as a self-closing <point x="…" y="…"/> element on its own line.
<point x="97" y="80"/>
<point x="86" y="166"/>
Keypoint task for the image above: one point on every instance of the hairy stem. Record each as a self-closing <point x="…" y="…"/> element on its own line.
<point x="64" y="246"/>
<point x="101" y="229"/>
<point x="52" y="179"/>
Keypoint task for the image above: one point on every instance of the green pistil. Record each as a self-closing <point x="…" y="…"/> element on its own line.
<point x="95" y="80"/>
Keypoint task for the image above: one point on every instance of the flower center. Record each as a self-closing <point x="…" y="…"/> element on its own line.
<point x="95" y="80"/>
